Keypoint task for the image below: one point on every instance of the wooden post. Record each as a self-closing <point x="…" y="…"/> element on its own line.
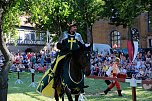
<point x="18" y="75"/>
<point x="33" y="77"/>
<point x="33" y="84"/>
<point x="133" y="84"/>
<point x="133" y="93"/>
<point x="18" y="81"/>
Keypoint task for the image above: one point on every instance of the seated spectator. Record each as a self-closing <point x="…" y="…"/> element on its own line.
<point x="123" y="70"/>
<point x="1" y="62"/>
<point x="41" y="68"/>
<point x="150" y="74"/>
<point x="13" y="67"/>
<point x="92" y="69"/>
<point x="96" y="71"/>
<point x="140" y="75"/>
<point x="146" y="77"/>
<point x="104" y="69"/>
<point x="100" y="71"/>
<point x="143" y="64"/>
<point x="21" y="66"/>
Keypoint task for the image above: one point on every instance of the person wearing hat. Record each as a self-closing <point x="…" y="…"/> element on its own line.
<point x="72" y="36"/>
<point x="69" y="41"/>
<point x="113" y="72"/>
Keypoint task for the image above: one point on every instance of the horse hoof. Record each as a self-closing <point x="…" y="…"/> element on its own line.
<point x="102" y="93"/>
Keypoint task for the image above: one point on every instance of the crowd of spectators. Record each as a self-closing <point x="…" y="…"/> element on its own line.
<point x="141" y="67"/>
<point x="26" y="61"/>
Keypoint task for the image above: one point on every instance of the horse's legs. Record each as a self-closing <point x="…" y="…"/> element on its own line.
<point x="63" y="98"/>
<point x="56" y="95"/>
<point x="76" y="97"/>
<point x="68" y="93"/>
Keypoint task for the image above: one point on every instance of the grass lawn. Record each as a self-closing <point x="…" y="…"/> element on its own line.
<point x="22" y="92"/>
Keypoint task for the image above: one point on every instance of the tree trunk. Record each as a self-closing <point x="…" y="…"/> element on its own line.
<point x="3" y="96"/>
<point x="4" y="81"/>
<point x="3" y="86"/>
<point x="5" y="67"/>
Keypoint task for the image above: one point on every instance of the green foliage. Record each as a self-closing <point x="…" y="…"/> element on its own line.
<point x="54" y="15"/>
<point x="47" y="14"/>
<point x="10" y="18"/>
<point x="126" y="10"/>
<point x="86" y="12"/>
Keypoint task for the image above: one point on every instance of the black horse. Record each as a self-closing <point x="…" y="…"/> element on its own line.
<point x="76" y="65"/>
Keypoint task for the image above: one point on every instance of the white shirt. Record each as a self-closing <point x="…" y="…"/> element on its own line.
<point x="108" y="72"/>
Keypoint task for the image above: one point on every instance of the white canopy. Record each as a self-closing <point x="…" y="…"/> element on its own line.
<point x="101" y="48"/>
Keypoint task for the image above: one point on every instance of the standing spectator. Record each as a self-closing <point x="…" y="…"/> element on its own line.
<point x="33" y="58"/>
<point x="42" y="59"/>
<point x="29" y="56"/>
<point x="96" y="69"/>
<point x="92" y="69"/>
<point x="104" y="69"/>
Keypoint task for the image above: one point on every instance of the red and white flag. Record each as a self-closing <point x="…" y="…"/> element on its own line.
<point x="132" y="49"/>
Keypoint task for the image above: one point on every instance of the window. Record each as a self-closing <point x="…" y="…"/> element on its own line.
<point x="27" y="36"/>
<point x="33" y="36"/>
<point x="115" y="39"/>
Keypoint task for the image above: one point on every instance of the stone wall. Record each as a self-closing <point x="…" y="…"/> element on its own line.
<point x="22" y="48"/>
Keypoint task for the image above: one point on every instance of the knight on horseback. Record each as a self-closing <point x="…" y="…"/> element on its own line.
<point x="66" y="74"/>
<point x="69" y="41"/>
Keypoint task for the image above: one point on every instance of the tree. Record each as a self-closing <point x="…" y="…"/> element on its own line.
<point x="88" y="11"/>
<point x="8" y="14"/>
<point x="55" y="14"/>
<point x="123" y="12"/>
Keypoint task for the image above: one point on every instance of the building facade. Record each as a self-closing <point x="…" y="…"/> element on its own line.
<point x="28" y="39"/>
<point x="117" y="36"/>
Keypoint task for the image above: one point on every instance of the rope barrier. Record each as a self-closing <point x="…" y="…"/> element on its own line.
<point x="118" y="79"/>
<point x="107" y="78"/>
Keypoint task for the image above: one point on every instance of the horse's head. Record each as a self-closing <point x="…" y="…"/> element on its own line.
<point x="82" y="58"/>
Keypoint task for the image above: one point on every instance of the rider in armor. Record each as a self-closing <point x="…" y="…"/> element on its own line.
<point x="75" y="41"/>
<point x="52" y="81"/>
<point x="69" y="41"/>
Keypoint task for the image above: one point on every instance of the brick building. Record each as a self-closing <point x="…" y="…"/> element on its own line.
<point x="105" y="33"/>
